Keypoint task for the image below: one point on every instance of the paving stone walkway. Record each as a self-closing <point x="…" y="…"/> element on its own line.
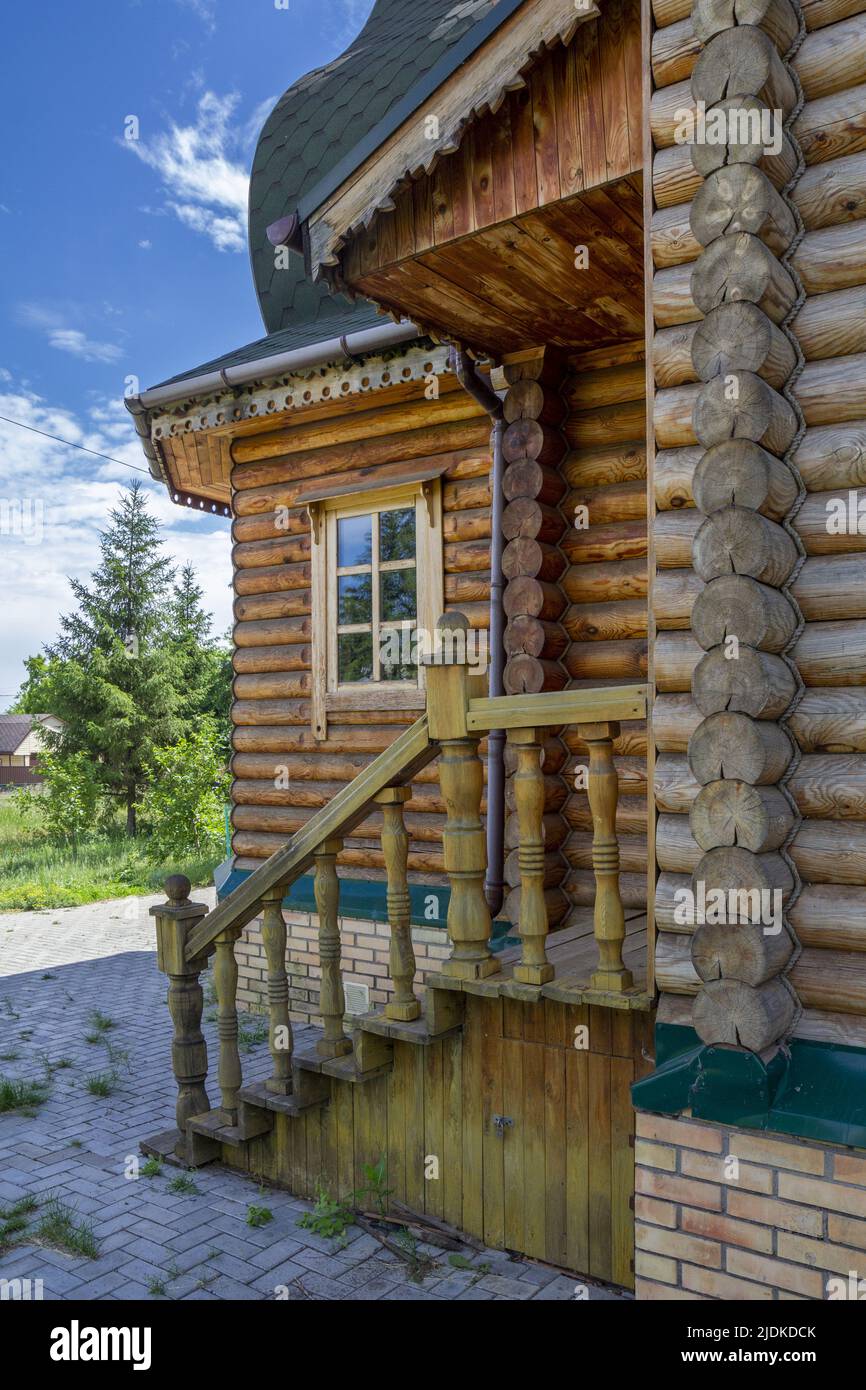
<point x="57" y="970"/>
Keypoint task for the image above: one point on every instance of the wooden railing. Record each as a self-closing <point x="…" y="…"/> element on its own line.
<point x="452" y="728"/>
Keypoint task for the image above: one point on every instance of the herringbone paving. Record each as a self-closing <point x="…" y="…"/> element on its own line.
<point x="58" y="969"/>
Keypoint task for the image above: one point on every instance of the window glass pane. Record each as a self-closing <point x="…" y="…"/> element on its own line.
<point x="355" y="657"/>
<point x="396" y="649"/>
<point x="397" y="595"/>
<point x="355" y="599"/>
<point x="354" y="541"/>
<point x="397" y="535"/>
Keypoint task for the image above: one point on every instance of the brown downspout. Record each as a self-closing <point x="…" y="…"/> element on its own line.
<point x="477" y="387"/>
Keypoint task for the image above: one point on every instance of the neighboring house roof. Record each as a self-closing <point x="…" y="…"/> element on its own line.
<point x="14" y="729"/>
<point x="313" y="126"/>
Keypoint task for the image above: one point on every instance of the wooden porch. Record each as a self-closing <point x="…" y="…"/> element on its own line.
<point x="501" y="1100"/>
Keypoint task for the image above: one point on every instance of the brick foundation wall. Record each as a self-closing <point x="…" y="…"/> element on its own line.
<point x="364" y="961"/>
<point x="787" y="1222"/>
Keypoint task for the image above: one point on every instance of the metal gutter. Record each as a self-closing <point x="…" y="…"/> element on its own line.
<point x="448" y="64"/>
<point x="477" y="387"/>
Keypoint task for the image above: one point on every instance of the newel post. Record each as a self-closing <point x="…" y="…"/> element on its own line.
<point x="609" y="918"/>
<point x="175" y="921"/>
<point x="461" y="779"/>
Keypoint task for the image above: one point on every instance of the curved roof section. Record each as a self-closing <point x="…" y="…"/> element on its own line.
<point x="318" y="121"/>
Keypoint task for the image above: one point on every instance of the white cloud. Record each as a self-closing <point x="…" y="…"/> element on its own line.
<point x="204" y="183"/>
<point x="61" y="498"/>
<point x="72" y="340"/>
<point x="205" y="10"/>
<point x="145" y="245"/>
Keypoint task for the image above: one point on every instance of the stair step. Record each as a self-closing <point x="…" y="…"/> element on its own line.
<point x="212" y="1125"/>
<point x="258" y="1097"/>
<point x="418" y="1031"/>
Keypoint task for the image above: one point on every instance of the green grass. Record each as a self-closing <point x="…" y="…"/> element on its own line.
<point x="156" y="1287"/>
<point x="60" y="1229"/>
<point x="259" y="1216"/>
<point x="39" y="873"/>
<point x="101" y="1083"/>
<point x="21" y="1095"/>
<point x="152" y="1168"/>
<point x="14" y="1220"/>
<point x="183" y="1184"/>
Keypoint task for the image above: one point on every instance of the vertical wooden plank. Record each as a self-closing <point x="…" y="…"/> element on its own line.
<point x="534" y="1209"/>
<point x="590" y="104"/>
<point x="535" y="1022"/>
<point x="622" y="1171"/>
<point x="577" y="1160"/>
<point x="299" y="1155"/>
<point x="544" y="126"/>
<point x="523" y="150"/>
<point x="621" y="1032"/>
<point x="415" y="1131"/>
<point x="314" y="1120"/>
<point x="600" y="1252"/>
<point x="341" y="1099"/>
<point x="434" y="1126"/>
<point x="567" y="122"/>
<point x="397" y="1088"/>
<point x="514" y="1172"/>
<point x="404" y="223"/>
<point x="648" y="208"/>
<point x="461" y="189"/>
<point x="443" y="212"/>
<point x="451" y="1170"/>
<point x="483" y="204"/>
<point x="556" y="1024"/>
<point x="473" y="1185"/>
<point x="493" y="1142"/>
<point x="330" y="1176"/>
<point x="632" y="52"/>
<point x="599" y="1029"/>
<point x="422" y="202"/>
<point x="554" y="1156"/>
<point x="611" y="34"/>
<point x="512" y="1018"/>
<point x="504" y="198"/>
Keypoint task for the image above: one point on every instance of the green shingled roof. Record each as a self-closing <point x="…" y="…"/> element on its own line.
<point x="314" y="125"/>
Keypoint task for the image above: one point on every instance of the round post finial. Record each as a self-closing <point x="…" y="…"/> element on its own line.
<point x="177" y="888"/>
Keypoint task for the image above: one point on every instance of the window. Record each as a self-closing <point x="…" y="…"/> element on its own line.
<point x="377" y="579"/>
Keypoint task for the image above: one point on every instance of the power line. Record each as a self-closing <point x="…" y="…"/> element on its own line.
<point x="69" y="444"/>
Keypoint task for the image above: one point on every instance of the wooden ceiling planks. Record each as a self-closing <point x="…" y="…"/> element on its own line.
<point x="515" y="283"/>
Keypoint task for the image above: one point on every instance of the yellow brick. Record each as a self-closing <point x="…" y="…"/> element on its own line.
<point x="815" y="1193"/>
<point x="677" y="1245"/>
<point x="646" y="1289"/>
<point x="683" y="1132"/>
<point x="714" y="1284"/>
<point x="849" y="1169"/>
<point x="780" y="1215"/>
<point x="658" y="1213"/>
<point x="727" y="1229"/>
<point x="774" y="1273"/>
<point x="673" y="1189"/>
<point x="778" y="1153"/>
<point x="846" y="1230"/>
<point x="655" y="1267"/>
<point x="820" y="1254"/>
<point x="655" y="1155"/>
<point x="751" y="1178"/>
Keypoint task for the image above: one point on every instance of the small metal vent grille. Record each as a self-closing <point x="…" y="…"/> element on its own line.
<point x="357" y="997"/>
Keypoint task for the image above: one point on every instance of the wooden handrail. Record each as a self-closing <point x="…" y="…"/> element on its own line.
<point x="410" y="752"/>
<point x="555" y="707"/>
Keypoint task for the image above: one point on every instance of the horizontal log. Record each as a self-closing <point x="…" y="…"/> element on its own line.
<point x="674" y="719"/>
<point x="273" y="632"/>
<point x="833" y="390"/>
<point x="776" y="18"/>
<point x="460" y="557"/>
<point x="832" y="126"/>
<point x="471" y="525"/>
<point x="581" y="888"/>
<point x="554" y="870"/>
<point x="674" y="470"/>
<point x="831" y="719"/>
<point x="290" y="604"/>
<point x="732" y="746"/>
<point x="534" y="598"/>
<point x="832" y="258"/>
<point x="832" y="59"/>
<point x="283" y="550"/>
<point x="737" y="541"/>
<point x="630" y="742"/>
<point x="739" y="336"/>
<point x="530" y="675"/>
<point x="596" y="467"/>
<point x="287" y="658"/>
<point x="286" y="820"/>
<point x="535" y="637"/>
<point x="250" y="847"/>
<point x="530" y="519"/>
<point x="605" y="581"/>
<point x="597" y="506"/>
<point x="263" y="526"/>
<point x="272" y="685"/>
<point x="622" y="423"/>
<point x="831" y="193"/>
<point x="607" y="660"/>
<point x="369" y="739"/>
<point x="815" y="1025"/>
<point x="632" y="852"/>
<point x="466" y="492"/>
<point x="672" y="297"/>
<point x="270" y="582"/>
<point x="675" y="183"/>
<point x="530" y="478"/>
<point x="623" y="540"/>
<point x="528" y="400"/>
<point x="756" y="614"/>
<point x="741" y="198"/>
<point x="823" y="851"/>
<point x="631" y="815"/>
<point x="594" y="622"/>
<point x="674" y="594"/>
<point x="589" y="390"/>
<point x="528" y="557"/>
<point x="554" y="831"/>
<point x="253" y="795"/>
<point x="673" y="52"/>
<point x="830" y="918"/>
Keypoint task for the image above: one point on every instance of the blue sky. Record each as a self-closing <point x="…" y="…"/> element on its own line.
<point x="123" y="257"/>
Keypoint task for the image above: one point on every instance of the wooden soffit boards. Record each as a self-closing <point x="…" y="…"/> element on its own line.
<point x="437" y="126"/>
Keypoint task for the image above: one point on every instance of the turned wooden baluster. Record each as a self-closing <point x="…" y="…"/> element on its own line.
<point x="332" y="1000"/>
<point x="280" y="1029"/>
<point x="225" y="975"/>
<point x="528" y="783"/>
<point x="461" y="779"/>
<point x="395" y="846"/>
<point x="175" y="920"/>
<point x="609" y="919"/>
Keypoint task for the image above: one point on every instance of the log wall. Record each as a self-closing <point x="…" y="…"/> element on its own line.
<point x="373" y="440"/>
<point x="708" y="314"/>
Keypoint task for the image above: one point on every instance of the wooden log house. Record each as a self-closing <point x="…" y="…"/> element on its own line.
<point x="547" y="494"/>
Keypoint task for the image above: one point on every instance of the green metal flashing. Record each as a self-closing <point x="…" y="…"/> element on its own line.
<point x="812" y="1090"/>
